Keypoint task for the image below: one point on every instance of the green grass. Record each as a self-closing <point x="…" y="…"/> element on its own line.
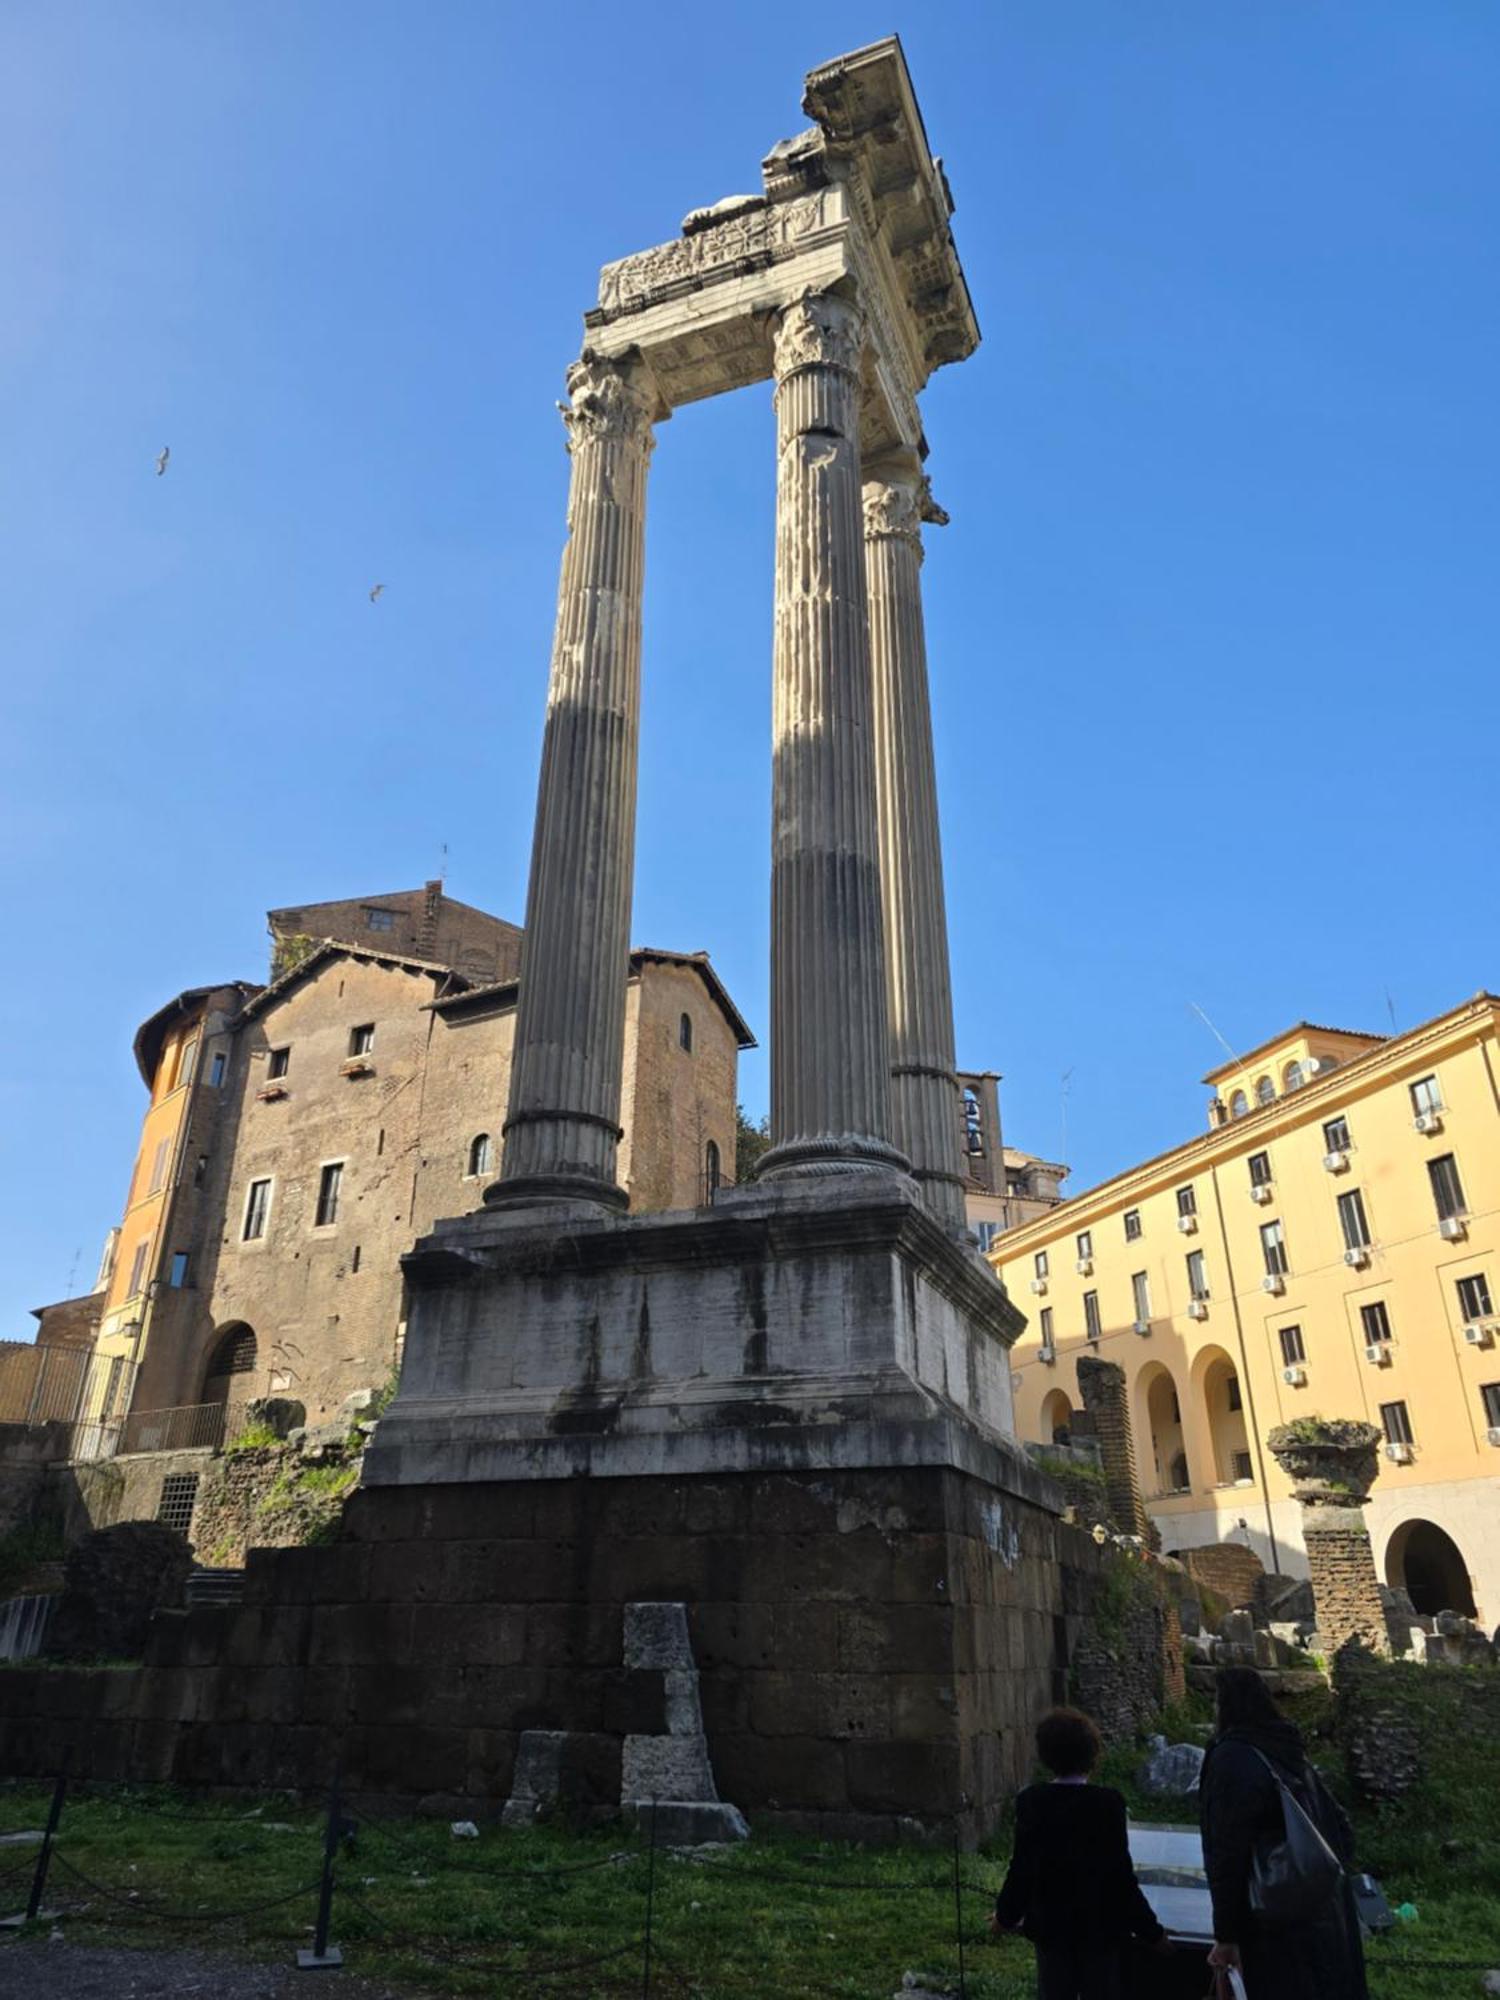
<point x="431" y="1915"/>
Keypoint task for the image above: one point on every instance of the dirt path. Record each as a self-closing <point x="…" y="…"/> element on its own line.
<point x="88" y="1972"/>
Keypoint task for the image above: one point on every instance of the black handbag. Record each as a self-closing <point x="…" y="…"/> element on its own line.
<point x="1294" y="1875"/>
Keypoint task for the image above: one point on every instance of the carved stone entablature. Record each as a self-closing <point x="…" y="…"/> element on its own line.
<point x="755" y="234"/>
<point x="821" y="332"/>
<point x="609" y="399"/>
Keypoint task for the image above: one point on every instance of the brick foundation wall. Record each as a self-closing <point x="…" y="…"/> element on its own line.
<point x="1346" y="1590"/>
<point x="1228" y="1569"/>
<point x="1101" y="1384"/>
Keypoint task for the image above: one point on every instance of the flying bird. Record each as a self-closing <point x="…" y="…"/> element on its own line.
<point x="375" y="593"/>
<point x="161" y="459"/>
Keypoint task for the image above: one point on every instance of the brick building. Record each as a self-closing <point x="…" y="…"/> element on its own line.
<point x="300" y="1136"/>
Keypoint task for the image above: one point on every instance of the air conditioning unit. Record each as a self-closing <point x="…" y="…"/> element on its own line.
<point x="1142" y="1325"/>
<point x="1428" y="1122"/>
<point x="1188" y="1224"/>
<point x="1357" y="1256"/>
<point x="1494" y="1435"/>
<point x="1261" y="1192"/>
<point x="1273" y="1281"/>
<point x="1453" y="1229"/>
<point x="1039" y="1286"/>
<point x="1398" y="1454"/>
<point x="1198" y="1309"/>
<point x="1378" y="1354"/>
<point x="1295" y="1377"/>
<point x="1481" y="1333"/>
<point x="1336" y="1162"/>
<point x="1084" y="1267"/>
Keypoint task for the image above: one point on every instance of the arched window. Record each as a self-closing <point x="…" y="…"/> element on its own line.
<point x="1291" y="1076"/>
<point x="233" y="1353"/>
<point x="711" y="1168"/>
<point x="1239" y="1104"/>
<point x="479" y="1154"/>
<point x="685" y="1033"/>
<point x="1265" y="1090"/>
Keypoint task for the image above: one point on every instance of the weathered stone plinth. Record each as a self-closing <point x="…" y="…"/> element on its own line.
<point x="1332" y="1464"/>
<point x="808" y="1324"/>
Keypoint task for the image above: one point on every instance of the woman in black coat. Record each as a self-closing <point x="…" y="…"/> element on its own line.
<point x="1317" y="1958"/>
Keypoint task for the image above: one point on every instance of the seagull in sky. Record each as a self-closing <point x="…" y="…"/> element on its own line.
<point x="161" y="459"/>
<point x="375" y="593"/>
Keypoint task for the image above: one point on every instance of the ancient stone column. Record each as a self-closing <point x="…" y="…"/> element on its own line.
<point x="563" y="1121"/>
<point x="1332" y="1463"/>
<point x="924" y="1086"/>
<point x="830" y="1049"/>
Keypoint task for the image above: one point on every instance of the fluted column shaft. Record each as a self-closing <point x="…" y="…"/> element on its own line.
<point x="830" y="1056"/>
<point x="563" y="1123"/>
<point x="924" y="1085"/>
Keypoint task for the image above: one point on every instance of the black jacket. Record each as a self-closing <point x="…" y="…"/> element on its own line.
<point x="1239" y="1803"/>
<point x="1070" y="1878"/>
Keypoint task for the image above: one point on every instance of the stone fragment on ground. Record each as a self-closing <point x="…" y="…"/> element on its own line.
<point x="1171" y="1770"/>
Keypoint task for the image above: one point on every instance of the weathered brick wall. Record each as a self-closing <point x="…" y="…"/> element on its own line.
<point x="1101" y="1384"/>
<point x="675" y="1101"/>
<point x="1346" y="1590"/>
<point x="427" y="924"/>
<point x="1228" y="1569"/>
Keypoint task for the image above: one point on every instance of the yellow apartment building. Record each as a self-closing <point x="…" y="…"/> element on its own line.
<point x="1330" y="1247"/>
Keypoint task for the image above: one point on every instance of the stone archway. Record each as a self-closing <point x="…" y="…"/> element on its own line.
<point x="1057" y="1417"/>
<point x="1160" y="1425"/>
<point x="233" y="1354"/>
<point x="1216" y="1383"/>
<point x="1424" y="1560"/>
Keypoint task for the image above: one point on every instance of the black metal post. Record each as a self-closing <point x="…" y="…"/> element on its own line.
<point x="958" y="1915"/>
<point x="650" y="1906"/>
<point x="44" y="1853"/>
<point x="323" y="1956"/>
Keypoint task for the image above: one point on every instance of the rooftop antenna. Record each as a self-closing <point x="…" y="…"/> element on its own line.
<point x="73" y="1273"/>
<point x="1390" y="1008"/>
<point x="443" y="865"/>
<point x="1063" y="1095"/>
<point x="1232" y="1054"/>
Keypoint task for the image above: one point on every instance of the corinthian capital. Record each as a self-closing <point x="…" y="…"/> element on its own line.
<point x="609" y="400"/>
<point x="822" y="331"/>
<point x="893" y="511"/>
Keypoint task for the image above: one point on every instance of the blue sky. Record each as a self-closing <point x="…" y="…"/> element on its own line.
<point x="1213" y="632"/>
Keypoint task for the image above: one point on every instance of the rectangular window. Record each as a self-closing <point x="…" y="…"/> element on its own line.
<point x="179" y="1269"/>
<point x="985" y="1231"/>
<point x="1085" y="1242"/>
<point x="1187" y="1201"/>
<point x="257" y="1208"/>
<point x="1353" y="1220"/>
<point x="179" y="1495"/>
<point x="354" y="1258"/>
<point x="1040" y="1261"/>
<point x="1474" y="1296"/>
<point x="1244" y="1467"/>
<point x="1197" y="1275"/>
<point x="1049" y="1345"/>
<point x="1273" y="1249"/>
<point x="1425" y="1095"/>
<point x="218" y="1063"/>
<point x="1376" y="1322"/>
<point x="137" y="1268"/>
<point x="158" y="1168"/>
<point x="1293" y="1353"/>
<point x="1132" y="1225"/>
<point x="1490" y="1395"/>
<point x="1395" y="1420"/>
<point x="328" y="1194"/>
<point x="1140" y="1286"/>
<point x="1091" y="1321"/>
<point x="1336" y="1135"/>
<point x="362" y="1039"/>
<point x="109" y="1407"/>
<point x="1447" y="1188"/>
<point x="380" y="920"/>
<point x="185" y="1057"/>
<point x="1260" y="1169"/>
<point x="279" y="1062"/>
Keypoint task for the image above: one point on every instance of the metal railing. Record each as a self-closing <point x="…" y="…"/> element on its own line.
<point x="190" y="1427"/>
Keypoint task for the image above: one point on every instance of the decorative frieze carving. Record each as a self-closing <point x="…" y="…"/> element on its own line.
<point x="819" y="332"/>
<point x="763" y="233"/>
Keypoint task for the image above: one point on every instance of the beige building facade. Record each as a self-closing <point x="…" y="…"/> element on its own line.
<point x="1330" y="1247"/>
<point x="301" y="1136"/>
